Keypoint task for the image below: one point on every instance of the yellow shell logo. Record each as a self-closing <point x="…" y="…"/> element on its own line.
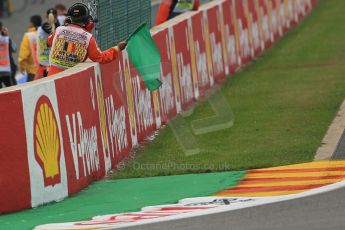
<point x="102" y="115"/>
<point x="47" y="141"/>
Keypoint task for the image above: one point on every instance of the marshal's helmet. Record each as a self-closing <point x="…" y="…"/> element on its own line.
<point x="79" y="13"/>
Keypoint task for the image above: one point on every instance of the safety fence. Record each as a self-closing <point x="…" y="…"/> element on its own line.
<point x="62" y="133"/>
<point x="117" y="19"/>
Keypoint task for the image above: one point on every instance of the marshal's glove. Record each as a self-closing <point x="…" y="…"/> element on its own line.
<point x="121" y="46"/>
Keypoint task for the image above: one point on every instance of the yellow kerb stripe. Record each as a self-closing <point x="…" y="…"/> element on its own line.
<point x="287" y="183"/>
<point x="318" y="164"/>
<point x="289" y="175"/>
<point x="258" y="194"/>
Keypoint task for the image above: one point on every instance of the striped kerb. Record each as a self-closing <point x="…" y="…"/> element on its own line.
<point x="287" y="180"/>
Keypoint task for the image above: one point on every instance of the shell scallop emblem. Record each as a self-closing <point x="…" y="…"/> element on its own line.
<point x="47" y="141"/>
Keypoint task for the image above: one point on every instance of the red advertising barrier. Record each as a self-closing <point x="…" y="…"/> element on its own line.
<point x="62" y="133"/>
<point x="216" y="33"/>
<point x="14" y="176"/>
<point x="183" y="66"/>
<point x="232" y="51"/>
<point x="85" y="150"/>
<point x="256" y="32"/>
<point x="117" y="120"/>
<point x="201" y="49"/>
<point x="243" y="25"/>
<point x="166" y="94"/>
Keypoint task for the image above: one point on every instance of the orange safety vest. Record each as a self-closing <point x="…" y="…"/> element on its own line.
<point x="33" y="46"/>
<point x="69" y="47"/>
<point x="5" y="65"/>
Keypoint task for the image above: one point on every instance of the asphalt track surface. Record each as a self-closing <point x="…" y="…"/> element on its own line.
<point x="320" y="212"/>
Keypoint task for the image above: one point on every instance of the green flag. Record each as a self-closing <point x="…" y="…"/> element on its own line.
<point x="145" y="57"/>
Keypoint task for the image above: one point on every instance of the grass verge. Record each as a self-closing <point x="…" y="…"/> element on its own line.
<point x="283" y="105"/>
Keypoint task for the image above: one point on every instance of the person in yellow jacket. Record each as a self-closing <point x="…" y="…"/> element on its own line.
<point x="27" y="58"/>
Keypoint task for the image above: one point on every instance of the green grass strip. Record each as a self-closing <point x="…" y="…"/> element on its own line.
<point x="282" y="104"/>
<point x="110" y="197"/>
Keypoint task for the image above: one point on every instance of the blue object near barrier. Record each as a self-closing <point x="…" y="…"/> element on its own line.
<point x="22" y="78"/>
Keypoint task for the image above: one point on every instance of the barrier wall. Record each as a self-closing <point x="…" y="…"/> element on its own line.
<point x="64" y="132"/>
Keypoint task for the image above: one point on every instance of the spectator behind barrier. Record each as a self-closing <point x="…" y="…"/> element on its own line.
<point x="5" y="8"/>
<point x="27" y="59"/>
<point x="61" y="13"/>
<point x="43" y="50"/>
<point x="7" y="65"/>
<point x="77" y="44"/>
<point x="171" y="8"/>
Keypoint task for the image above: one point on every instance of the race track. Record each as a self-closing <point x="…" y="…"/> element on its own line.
<point x="319" y="212"/>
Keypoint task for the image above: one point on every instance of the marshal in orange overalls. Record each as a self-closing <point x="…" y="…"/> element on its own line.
<point x="63" y="48"/>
